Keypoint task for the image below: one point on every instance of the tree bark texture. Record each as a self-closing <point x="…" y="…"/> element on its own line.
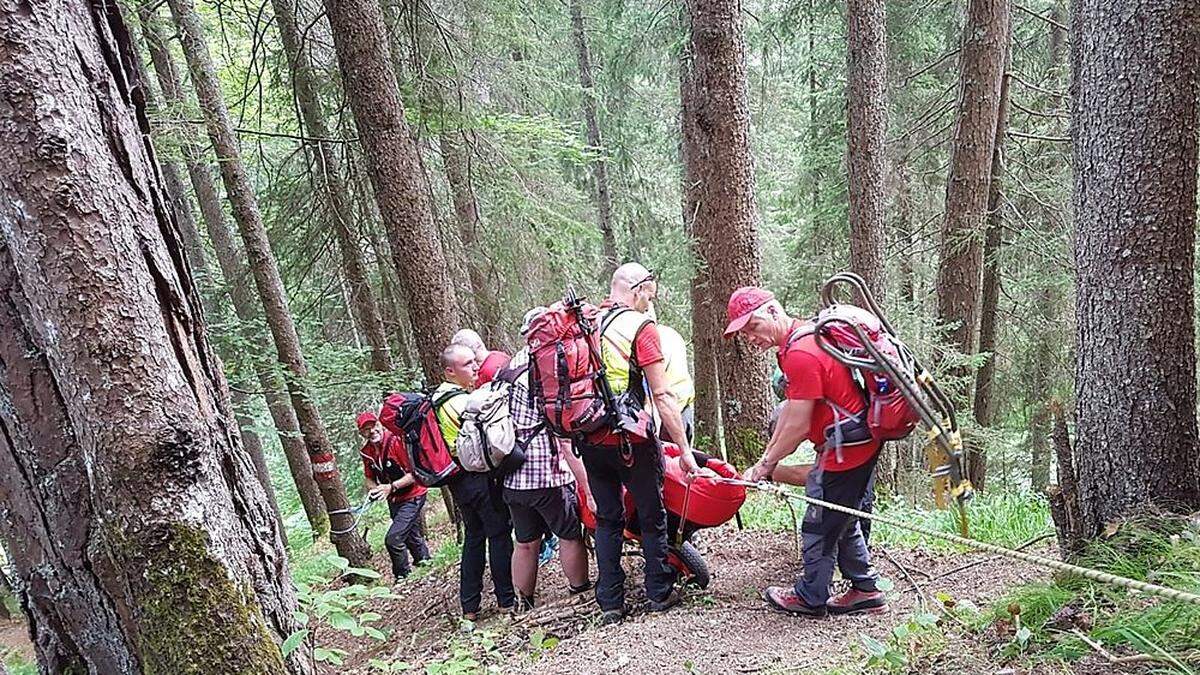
<point x="332" y="183"/>
<point x="990" y="299"/>
<point x="230" y="260"/>
<point x="723" y="217"/>
<point x="396" y="175"/>
<point x="265" y="272"/>
<point x="603" y="197"/>
<point x="866" y="94"/>
<point x="1134" y="139"/>
<point x="985" y="37"/>
<point x="142" y="539"/>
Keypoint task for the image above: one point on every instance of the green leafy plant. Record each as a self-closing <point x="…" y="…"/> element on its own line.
<point x="337" y="608"/>
<point x="896" y="652"/>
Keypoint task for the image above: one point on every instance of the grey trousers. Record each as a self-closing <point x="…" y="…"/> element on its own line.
<point x="831" y="537"/>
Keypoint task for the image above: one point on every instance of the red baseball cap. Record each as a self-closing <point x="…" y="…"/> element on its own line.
<point x="366" y="419"/>
<point x="742" y="304"/>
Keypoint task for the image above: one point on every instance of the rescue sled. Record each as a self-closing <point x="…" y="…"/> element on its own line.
<point x="705" y="503"/>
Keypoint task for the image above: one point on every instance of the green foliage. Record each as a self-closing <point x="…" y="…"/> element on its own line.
<point x="16" y="664"/>
<point x="343" y="606"/>
<point x="895" y="653"/>
<point x="1164" y="550"/>
<point x="1006" y="519"/>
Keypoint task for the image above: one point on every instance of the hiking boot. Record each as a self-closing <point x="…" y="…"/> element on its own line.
<point x="470" y="616"/>
<point x="581" y="588"/>
<point x="611" y="616"/>
<point x="673" y="598"/>
<point x="785" y="600"/>
<point x="855" y="601"/>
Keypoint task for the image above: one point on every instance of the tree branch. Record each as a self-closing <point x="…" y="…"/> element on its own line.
<point x="269" y="134"/>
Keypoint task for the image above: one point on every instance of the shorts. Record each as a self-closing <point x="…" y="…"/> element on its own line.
<point x="553" y="509"/>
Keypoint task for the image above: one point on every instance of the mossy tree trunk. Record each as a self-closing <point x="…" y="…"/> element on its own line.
<point x="141" y="537"/>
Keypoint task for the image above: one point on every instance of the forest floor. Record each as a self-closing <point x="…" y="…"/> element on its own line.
<point x="950" y="612"/>
<point x="724" y="629"/>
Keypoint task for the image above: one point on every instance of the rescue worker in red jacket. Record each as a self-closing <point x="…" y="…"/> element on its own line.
<point x="385" y="465"/>
<point x="823" y="404"/>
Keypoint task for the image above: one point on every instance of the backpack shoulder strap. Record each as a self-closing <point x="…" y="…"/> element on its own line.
<point x="438" y="401"/>
<point x="511" y="375"/>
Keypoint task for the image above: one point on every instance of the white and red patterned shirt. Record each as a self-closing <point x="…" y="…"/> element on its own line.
<point x="545" y="466"/>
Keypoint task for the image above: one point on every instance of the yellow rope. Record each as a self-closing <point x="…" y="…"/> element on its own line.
<point x="1088" y="573"/>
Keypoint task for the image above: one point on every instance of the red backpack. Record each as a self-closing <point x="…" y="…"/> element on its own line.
<point x="566" y="375"/>
<point x="413" y="417"/>
<point x="890" y="416"/>
<point x="568" y="381"/>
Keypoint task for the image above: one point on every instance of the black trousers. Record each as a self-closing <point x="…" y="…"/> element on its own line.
<point x="405" y="535"/>
<point x="607" y="473"/>
<point x="487" y="540"/>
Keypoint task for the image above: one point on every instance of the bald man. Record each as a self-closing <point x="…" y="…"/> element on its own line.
<point x="634" y="366"/>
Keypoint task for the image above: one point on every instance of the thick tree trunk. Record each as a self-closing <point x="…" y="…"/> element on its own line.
<point x="265" y="271"/>
<point x="866" y="133"/>
<point x="993" y="237"/>
<point x="985" y="37"/>
<point x="124" y="487"/>
<point x="723" y="216"/>
<point x="583" y="57"/>
<point x="233" y="270"/>
<point x="332" y="183"/>
<point x="1133" y="129"/>
<point x="396" y="176"/>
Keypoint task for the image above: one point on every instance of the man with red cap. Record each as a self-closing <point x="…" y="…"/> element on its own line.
<point x="824" y="404"/>
<point x="385" y="464"/>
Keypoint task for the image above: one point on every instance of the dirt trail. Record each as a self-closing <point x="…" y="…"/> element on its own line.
<point x="726" y="629"/>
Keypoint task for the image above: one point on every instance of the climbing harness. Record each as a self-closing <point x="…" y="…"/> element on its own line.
<point x="790" y="496"/>
<point x="943" y="441"/>
<point x="354" y="513"/>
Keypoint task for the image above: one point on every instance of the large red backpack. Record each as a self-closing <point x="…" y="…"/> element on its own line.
<point x="413" y="417"/>
<point x="890" y="416"/>
<point x="566" y="375"/>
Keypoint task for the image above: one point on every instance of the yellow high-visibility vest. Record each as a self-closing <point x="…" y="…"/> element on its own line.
<point x="621" y="326"/>
<point x="675" y="360"/>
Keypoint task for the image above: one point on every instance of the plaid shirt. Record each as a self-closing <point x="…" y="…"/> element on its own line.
<point x="545" y="466"/>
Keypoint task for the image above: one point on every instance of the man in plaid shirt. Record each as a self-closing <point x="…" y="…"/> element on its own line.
<point x="541" y="494"/>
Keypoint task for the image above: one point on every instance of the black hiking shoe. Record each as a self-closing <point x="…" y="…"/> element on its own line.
<point x="611" y="616"/>
<point x="673" y="598"/>
<point x="581" y="588"/>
